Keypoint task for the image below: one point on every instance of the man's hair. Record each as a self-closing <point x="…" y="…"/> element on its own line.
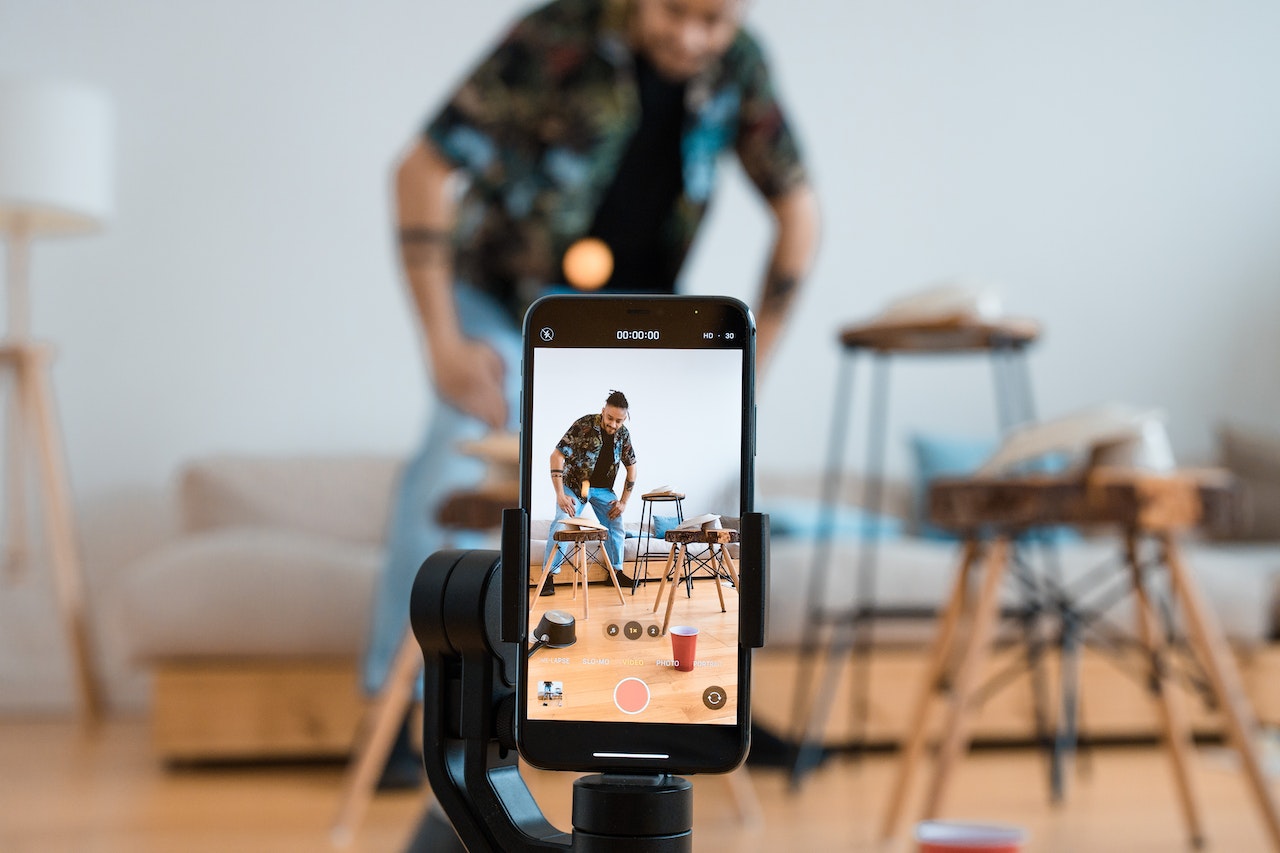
<point x="618" y="400"/>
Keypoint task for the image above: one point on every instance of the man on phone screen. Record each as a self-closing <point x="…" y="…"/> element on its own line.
<point x="584" y="469"/>
<point x="595" y="120"/>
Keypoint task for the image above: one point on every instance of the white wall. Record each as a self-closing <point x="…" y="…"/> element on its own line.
<point x="1111" y="166"/>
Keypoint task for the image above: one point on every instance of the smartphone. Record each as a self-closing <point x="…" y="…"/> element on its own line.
<point x="638" y="675"/>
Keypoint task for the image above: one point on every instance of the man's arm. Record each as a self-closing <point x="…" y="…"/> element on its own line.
<point x="557" y="482"/>
<point x="797" y="223"/>
<point x="467" y="373"/>
<point x="620" y="505"/>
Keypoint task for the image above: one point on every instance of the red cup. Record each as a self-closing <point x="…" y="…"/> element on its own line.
<point x="684" y="646"/>
<point x="950" y="836"/>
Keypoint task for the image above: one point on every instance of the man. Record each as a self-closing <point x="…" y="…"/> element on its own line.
<point x="584" y="468"/>
<point x="598" y="118"/>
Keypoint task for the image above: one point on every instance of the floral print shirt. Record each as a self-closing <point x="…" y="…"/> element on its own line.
<point x="581" y="445"/>
<point x="542" y="123"/>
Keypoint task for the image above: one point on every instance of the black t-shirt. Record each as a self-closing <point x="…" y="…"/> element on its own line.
<point x="644" y="191"/>
<point x="603" y="475"/>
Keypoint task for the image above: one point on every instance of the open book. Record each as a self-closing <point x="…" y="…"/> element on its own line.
<point x="697" y="522"/>
<point x="582" y="522"/>
<point x="953" y="300"/>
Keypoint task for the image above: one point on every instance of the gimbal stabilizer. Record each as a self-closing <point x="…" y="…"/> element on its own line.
<point x="470" y="643"/>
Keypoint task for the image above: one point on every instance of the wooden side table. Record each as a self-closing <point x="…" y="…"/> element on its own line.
<point x="577" y="557"/>
<point x="1140" y="507"/>
<point x="718" y="560"/>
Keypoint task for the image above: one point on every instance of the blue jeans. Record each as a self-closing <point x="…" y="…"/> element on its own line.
<point x="599" y="500"/>
<point x="435" y="471"/>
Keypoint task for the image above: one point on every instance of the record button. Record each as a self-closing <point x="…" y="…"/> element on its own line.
<point x="631" y="695"/>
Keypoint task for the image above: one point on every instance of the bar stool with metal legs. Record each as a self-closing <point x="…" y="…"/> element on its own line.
<point x="645" y="552"/>
<point x="1005" y="342"/>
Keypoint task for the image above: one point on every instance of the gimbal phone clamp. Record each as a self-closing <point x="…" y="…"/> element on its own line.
<point x="470" y="643"/>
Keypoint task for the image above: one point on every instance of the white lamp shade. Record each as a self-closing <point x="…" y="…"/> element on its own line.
<point x="55" y="157"/>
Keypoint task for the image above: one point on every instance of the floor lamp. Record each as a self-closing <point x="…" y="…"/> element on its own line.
<point x="55" y="179"/>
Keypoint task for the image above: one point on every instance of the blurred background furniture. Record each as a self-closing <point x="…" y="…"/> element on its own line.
<point x="1148" y="510"/>
<point x="55" y="180"/>
<point x="252" y="618"/>
<point x="832" y="633"/>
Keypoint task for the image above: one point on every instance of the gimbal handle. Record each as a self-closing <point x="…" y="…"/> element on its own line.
<point x="470" y="653"/>
<point x="468" y="745"/>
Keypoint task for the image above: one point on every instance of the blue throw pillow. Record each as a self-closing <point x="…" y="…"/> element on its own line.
<point x="942" y="456"/>
<point x="663" y="523"/>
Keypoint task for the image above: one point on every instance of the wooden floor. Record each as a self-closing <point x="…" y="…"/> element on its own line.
<point x="591" y="669"/>
<point x="63" y="789"/>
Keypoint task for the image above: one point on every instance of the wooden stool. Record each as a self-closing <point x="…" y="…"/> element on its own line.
<point x="1140" y="505"/>
<point x="717" y="542"/>
<point x="477" y="510"/>
<point x="577" y="557"/>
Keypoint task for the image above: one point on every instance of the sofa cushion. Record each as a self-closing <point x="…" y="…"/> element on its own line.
<point x="1253" y="457"/>
<point x="249" y="591"/>
<point x="343" y="497"/>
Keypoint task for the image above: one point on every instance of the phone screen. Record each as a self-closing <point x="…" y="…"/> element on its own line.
<point x="636" y="451"/>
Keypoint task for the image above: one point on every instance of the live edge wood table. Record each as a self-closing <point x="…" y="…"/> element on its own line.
<point x="1145" y="510"/>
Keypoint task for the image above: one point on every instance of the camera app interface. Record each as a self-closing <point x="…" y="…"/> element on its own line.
<point x="635" y="493"/>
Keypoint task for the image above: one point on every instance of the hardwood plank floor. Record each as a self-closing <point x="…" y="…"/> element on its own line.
<point x="65" y="789"/>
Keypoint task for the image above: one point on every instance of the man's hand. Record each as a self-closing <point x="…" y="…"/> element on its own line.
<point x="617" y="508"/>
<point x="567" y="503"/>
<point x="797" y="221"/>
<point x="469" y="374"/>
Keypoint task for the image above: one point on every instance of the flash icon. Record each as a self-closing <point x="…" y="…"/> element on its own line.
<point x="548" y="333"/>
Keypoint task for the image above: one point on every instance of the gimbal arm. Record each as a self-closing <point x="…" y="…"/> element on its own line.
<point x="469" y="676"/>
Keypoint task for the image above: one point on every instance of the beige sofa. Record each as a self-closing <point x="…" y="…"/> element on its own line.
<point x="253" y="619"/>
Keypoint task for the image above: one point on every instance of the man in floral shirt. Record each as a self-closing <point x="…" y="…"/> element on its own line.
<point x="597" y="119"/>
<point x="584" y="469"/>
